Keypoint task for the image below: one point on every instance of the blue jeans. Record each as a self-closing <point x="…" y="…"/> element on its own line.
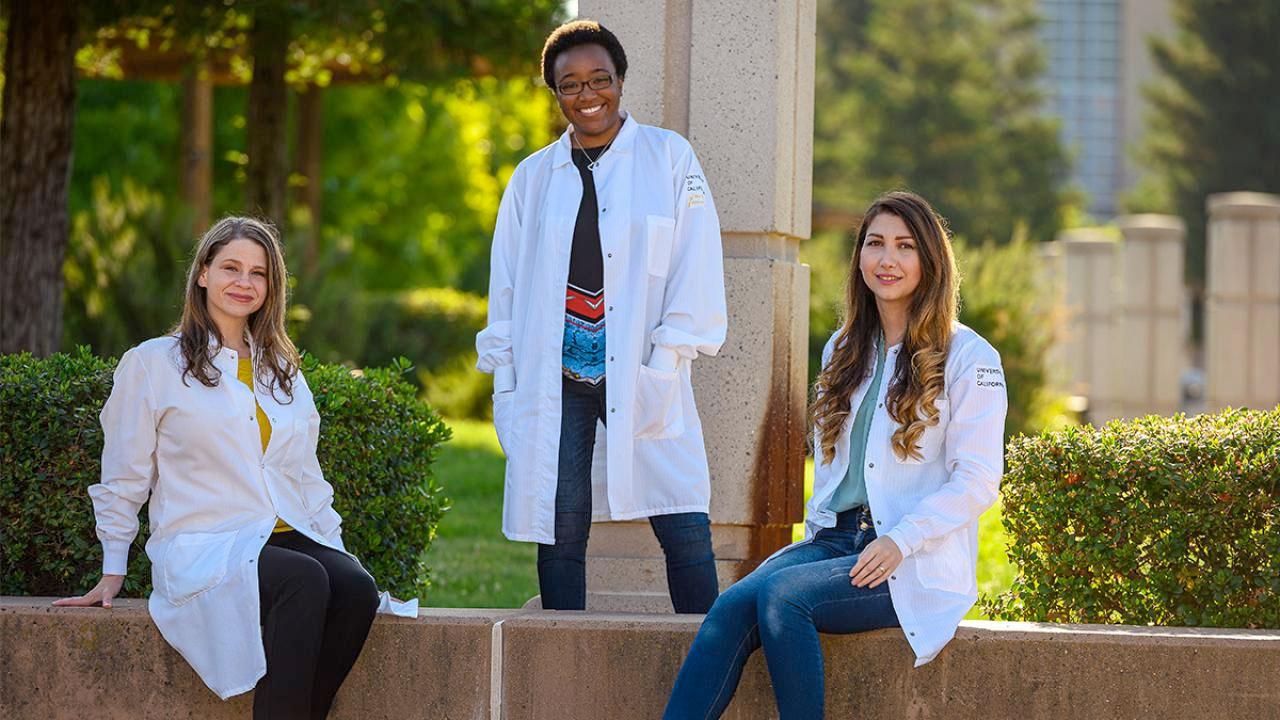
<point x="783" y="605"/>
<point x="562" y="567"/>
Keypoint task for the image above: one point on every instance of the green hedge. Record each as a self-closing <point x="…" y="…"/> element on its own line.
<point x="377" y="445"/>
<point x="1156" y="521"/>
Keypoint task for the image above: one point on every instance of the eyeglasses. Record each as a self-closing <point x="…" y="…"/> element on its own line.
<point x="573" y="87"/>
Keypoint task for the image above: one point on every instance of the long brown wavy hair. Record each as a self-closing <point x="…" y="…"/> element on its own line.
<point x="916" y="385"/>
<point x="277" y="359"/>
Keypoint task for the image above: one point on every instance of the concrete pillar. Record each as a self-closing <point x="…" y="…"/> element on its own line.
<point x="737" y="80"/>
<point x="1090" y="257"/>
<point x="1242" y="310"/>
<point x="1149" y="316"/>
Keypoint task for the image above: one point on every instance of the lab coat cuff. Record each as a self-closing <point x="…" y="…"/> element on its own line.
<point x="115" y="557"/>
<point x="898" y="536"/>
<point x="504" y="378"/>
<point x="663" y="359"/>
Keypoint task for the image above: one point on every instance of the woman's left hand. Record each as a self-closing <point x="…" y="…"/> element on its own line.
<point x="878" y="559"/>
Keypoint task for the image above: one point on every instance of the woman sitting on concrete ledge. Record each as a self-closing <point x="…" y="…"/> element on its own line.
<point x="907" y="455"/>
<point x="216" y="425"/>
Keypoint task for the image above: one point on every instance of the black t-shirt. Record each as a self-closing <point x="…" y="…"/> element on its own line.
<point x="584" y="332"/>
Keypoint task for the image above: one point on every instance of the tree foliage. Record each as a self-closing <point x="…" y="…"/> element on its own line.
<point x="1215" y="124"/>
<point x="939" y="97"/>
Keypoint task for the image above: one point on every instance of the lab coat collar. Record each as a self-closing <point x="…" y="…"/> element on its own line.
<point x="622" y="143"/>
<point x="216" y="348"/>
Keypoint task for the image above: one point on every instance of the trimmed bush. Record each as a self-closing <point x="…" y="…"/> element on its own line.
<point x="1156" y="521"/>
<point x="377" y="445"/>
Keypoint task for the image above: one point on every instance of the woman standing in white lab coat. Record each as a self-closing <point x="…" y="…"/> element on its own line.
<point x="908" y="453"/>
<point x="606" y="282"/>
<point x="216" y="428"/>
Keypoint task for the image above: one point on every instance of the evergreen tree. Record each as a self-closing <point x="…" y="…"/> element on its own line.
<point x="1215" y="124"/>
<point x="941" y="98"/>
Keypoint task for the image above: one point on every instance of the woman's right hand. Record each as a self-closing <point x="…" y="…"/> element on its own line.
<point x="102" y="593"/>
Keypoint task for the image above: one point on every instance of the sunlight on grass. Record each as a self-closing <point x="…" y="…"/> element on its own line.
<point x="472" y="564"/>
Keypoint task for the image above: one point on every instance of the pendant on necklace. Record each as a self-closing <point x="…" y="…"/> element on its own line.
<point x="592" y="166"/>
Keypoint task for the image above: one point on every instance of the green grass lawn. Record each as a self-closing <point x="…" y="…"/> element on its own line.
<point x="472" y="565"/>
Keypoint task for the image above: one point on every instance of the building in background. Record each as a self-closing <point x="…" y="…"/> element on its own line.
<point x="1098" y="59"/>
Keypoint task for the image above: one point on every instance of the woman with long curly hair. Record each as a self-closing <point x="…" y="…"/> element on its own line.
<point x="908" y="419"/>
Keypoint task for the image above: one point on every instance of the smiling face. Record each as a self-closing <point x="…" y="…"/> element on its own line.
<point x="890" y="261"/>
<point x="235" y="282"/>
<point x="594" y="113"/>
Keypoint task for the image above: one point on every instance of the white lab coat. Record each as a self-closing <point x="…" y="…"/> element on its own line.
<point x="929" y="507"/>
<point x="664" y="295"/>
<point x="196" y="452"/>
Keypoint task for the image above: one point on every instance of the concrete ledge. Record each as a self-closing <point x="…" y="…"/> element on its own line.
<point x="63" y="662"/>
<point x="519" y="665"/>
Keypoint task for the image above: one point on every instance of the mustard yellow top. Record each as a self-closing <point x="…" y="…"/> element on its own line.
<point x="244" y="371"/>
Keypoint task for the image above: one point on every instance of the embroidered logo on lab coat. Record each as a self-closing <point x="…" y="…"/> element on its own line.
<point x="988" y="377"/>
<point x="695" y="190"/>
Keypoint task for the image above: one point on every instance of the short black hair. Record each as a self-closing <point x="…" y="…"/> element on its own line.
<point x="580" y="32"/>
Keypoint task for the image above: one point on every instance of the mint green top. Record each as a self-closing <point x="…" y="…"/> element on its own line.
<point x="852" y="491"/>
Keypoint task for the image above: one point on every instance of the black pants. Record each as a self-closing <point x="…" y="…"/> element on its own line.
<point x="317" y="606"/>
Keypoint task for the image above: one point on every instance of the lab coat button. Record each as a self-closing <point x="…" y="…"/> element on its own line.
<point x="893" y="577"/>
<point x="879" y="523"/>
<point x="613" y="410"/>
<point x="871" y="465"/>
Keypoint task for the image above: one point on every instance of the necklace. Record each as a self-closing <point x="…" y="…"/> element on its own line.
<point x="594" y="162"/>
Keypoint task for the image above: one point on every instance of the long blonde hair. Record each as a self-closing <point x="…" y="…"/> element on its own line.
<point x="916" y="384"/>
<point x="277" y="359"/>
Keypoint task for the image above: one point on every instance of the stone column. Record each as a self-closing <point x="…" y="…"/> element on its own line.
<point x="1149" y="317"/>
<point x="736" y="79"/>
<point x="1089" y="260"/>
<point x="1242" y="310"/>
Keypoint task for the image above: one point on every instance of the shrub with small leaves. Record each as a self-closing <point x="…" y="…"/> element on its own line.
<point x="377" y="445"/>
<point x="1156" y="521"/>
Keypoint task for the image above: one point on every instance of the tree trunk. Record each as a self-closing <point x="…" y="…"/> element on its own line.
<point x="307" y="165"/>
<point x="197" y="146"/>
<point x="265" y="118"/>
<point x="35" y="171"/>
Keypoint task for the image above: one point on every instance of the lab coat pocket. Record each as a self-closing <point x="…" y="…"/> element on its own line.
<point x="503" y="414"/>
<point x="194" y="564"/>
<point x="945" y="565"/>
<point x="660" y="233"/>
<point x="326" y="522"/>
<point x="659" y="411"/>
<point x="303" y="442"/>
